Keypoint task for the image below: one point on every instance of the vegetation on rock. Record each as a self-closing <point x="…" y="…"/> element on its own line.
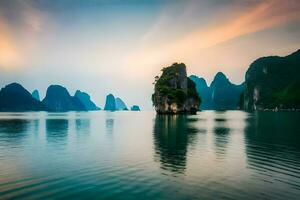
<point x="174" y="92"/>
<point x="273" y="83"/>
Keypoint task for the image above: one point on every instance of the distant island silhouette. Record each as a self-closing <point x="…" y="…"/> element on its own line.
<point x="15" y="98"/>
<point x="220" y="95"/>
<point x="58" y="99"/>
<point x="115" y="104"/>
<point x="271" y="83"/>
<point x="86" y="100"/>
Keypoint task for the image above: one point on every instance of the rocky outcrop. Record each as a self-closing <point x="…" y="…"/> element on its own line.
<point x="220" y="95"/>
<point x="85" y="99"/>
<point x="114" y="104"/>
<point x="224" y="94"/>
<point x="120" y="105"/>
<point x="174" y="92"/>
<point x="58" y="99"/>
<point x="273" y="83"/>
<point x="135" y="108"/>
<point x="35" y="94"/>
<point x="110" y="103"/>
<point x="204" y="91"/>
<point x="14" y="97"/>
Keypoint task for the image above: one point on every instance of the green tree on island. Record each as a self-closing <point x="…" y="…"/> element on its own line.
<point x="174" y="92"/>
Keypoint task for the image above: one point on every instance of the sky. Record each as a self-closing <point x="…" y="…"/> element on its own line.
<point x="119" y="46"/>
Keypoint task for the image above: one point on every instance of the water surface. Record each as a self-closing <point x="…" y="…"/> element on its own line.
<point x="138" y="155"/>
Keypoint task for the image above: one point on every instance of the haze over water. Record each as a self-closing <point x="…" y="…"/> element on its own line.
<point x="139" y="155"/>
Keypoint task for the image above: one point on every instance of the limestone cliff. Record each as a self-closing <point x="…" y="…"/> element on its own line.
<point x="58" y="99"/>
<point x="35" y="94"/>
<point x="273" y="83"/>
<point x="120" y="104"/>
<point x="174" y="92"/>
<point x="86" y="100"/>
<point x="15" y="98"/>
<point x="220" y="95"/>
<point x="110" y="103"/>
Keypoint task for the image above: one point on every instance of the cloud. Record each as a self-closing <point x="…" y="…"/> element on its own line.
<point x="20" y="25"/>
<point x="236" y="21"/>
<point x="9" y="54"/>
<point x="265" y="15"/>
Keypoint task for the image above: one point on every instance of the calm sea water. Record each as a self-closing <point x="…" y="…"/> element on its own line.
<point x="138" y="155"/>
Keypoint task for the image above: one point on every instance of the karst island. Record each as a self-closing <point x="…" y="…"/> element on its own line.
<point x="174" y="92"/>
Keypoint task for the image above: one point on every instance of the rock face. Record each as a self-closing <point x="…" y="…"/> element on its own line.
<point x="174" y="92"/>
<point x="110" y="103"/>
<point x="120" y="105"/>
<point x="273" y="83"/>
<point x="35" y="94"/>
<point x="135" y="108"/>
<point x="85" y="99"/>
<point x="58" y="99"/>
<point x="14" y="97"/>
<point x="113" y="104"/>
<point x="224" y="94"/>
<point x="204" y="91"/>
<point x="220" y="95"/>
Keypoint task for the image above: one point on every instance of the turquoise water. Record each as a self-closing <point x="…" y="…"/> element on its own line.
<point x="138" y="155"/>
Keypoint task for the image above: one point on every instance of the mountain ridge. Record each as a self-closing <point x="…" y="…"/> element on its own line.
<point x="85" y="99"/>
<point x="220" y="95"/>
<point x="14" y="97"/>
<point x="58" y="99"/>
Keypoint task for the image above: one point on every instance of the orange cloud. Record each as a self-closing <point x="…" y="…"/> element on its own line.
<point x="9" y="55"/>
<point x="266" y="15"/>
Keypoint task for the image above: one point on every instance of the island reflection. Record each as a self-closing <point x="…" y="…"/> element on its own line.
<point x="172" y="135"/>
<point x="57" y="130"/>
<point x="221" y="134"/>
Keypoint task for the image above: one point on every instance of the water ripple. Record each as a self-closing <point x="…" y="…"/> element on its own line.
<point x="99" y="155"/>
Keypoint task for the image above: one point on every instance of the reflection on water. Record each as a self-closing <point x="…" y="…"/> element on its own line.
<point x="140" y="155"/>
<point x="13" y="126"/>
<point x="13" y="130"/>
<point x="109" y="124"/>
<point x="57" y="130"/>
<point x="273" y="148"/>
<point x="221" y="131"/>
<point x="274" y="128"/>
<point x="36" y="126"/>
<point x="172" y="134"/>
<point x="83" y="126"/>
